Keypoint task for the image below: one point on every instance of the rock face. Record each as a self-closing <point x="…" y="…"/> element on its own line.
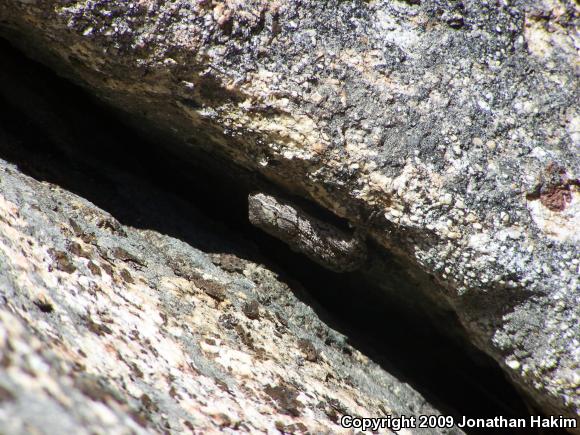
<point x="106" y="328"/>
<point x="445" y="131"/>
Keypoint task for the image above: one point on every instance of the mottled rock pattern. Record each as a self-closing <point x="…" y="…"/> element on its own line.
<point x="105" y="328"/>
<point x="447" y="130"/>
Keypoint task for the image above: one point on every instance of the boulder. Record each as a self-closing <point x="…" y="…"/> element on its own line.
<point x="445" y="132"/>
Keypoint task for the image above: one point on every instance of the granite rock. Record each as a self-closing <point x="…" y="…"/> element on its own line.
<point x="446" y="131"/>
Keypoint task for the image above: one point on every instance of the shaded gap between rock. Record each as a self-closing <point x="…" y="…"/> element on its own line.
<point x="60" y="134"/>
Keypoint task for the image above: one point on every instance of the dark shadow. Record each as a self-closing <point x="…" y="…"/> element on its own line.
<point x="54" y="131"/>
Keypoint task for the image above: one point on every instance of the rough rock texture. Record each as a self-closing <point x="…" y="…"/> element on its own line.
<point x="105" y="328"/>
<point x="448" y="131"/>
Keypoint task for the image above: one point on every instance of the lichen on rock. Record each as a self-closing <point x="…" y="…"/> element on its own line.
<point x="425" y="124"/>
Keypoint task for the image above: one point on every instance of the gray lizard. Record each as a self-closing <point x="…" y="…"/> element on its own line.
<point x="322" y="242"/>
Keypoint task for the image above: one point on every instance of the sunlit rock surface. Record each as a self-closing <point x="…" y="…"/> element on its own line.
<point x="448" y="131"/>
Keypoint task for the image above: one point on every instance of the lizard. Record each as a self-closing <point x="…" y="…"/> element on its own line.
<point x="322" y="242"/>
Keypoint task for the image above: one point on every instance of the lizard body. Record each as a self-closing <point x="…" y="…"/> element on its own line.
<point x="322" y="242"/>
